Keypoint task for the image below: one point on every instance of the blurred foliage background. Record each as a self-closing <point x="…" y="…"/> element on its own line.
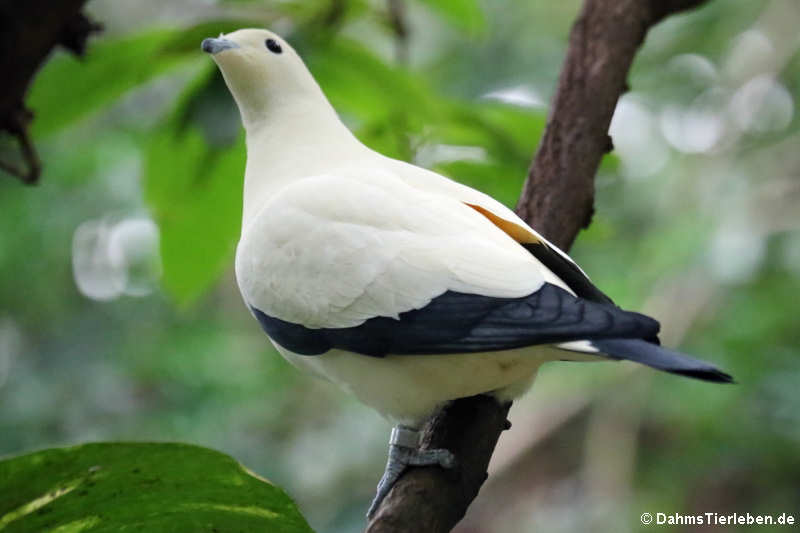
<point x="120" y="318"/>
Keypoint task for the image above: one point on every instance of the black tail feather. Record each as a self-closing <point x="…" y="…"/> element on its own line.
<point x="661" y="358"/>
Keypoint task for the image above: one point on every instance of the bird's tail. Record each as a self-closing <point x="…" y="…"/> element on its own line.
<point x="660" y="358"/>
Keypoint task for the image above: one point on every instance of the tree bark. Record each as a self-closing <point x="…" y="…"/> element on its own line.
<point x="557" y="200"/>
<point x="558" y="197"/>
<point x="29" y="30"/>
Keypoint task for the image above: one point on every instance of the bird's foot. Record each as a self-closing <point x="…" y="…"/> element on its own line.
<point x="404" y="451"/>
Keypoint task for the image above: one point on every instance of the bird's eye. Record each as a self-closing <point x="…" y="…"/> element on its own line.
<point x="273" y="46"/>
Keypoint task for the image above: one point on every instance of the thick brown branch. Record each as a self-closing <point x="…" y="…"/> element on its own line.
<point x="557" y="200"/>
<point x="434" y="499"/>
<point x="559" y="194"/>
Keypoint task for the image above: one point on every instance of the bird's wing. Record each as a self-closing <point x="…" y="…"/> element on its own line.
<point x="377" y="267"/>
<point x="553" y="258"/>
<point x="338" y="249"/>
<point x="468" y="323"/>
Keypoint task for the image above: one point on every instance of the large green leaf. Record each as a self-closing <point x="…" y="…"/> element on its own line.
<point x="195" y="193"/>
<point x="109" y="487"/>
<point x="69" y="88"/>
<point x="193" y="185"/>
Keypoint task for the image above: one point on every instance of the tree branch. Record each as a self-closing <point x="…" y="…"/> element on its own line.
<point x="558" y="196"/>
<point x="557" y="200"/>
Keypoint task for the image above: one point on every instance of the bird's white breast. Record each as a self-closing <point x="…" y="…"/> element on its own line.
<point x="406" y="389"/>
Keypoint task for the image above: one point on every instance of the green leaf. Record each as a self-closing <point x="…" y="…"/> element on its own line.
<point x="108" y="487"/>
<point x="69" y="88"/>
<point x="194" y="189"/>
<point x="195" y="193"/>
<point x="361" y="84"/>
<point x="464" y="14"/>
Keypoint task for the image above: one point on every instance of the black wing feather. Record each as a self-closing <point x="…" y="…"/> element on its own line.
<point x="571" y="275"/>
<point x="568" y="272"/>
<point x="661" y="358"/>
<point x="462" y="323"/>
<point x="467" y="323"/>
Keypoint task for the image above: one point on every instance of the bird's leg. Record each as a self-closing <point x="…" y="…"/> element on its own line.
<point x="404" y="451"/>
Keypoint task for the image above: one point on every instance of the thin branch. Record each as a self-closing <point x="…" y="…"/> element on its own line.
<point x="16" y="123"/>
<point x="557" y="200"/>
<point x="399" y="25"/>
<point x="33" y="167"/>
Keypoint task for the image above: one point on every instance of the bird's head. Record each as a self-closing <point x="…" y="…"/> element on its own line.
<point x="262" y="72"/>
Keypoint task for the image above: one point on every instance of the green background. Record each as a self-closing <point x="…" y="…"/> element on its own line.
<point x="696" y="224"/>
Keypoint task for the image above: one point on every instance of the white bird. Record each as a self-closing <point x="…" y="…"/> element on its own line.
<point x="404" y="287"/>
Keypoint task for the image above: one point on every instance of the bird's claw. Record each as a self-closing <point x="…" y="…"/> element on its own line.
<point x="404" y="451"/>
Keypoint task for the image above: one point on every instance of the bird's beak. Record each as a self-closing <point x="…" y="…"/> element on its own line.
<point x="215" y="46"/>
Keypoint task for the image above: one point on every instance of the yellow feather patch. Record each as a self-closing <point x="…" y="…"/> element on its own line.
<point x="513" y="230"/>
